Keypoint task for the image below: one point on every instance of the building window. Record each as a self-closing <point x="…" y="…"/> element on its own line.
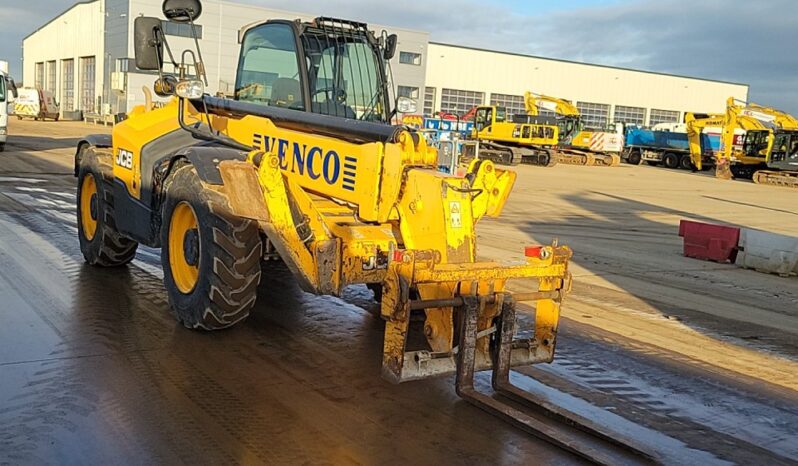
<point x="663" y="116"/>
<point x="410" y="58"/>
<point x="514" y="104"/>
<point x="68" y="85"/>
<point x="460" y="102"/>
<point x="39" y="76"/>
<point x="49" y="84"/>
<point x="123" y="65"/>
<point x="171" y="28"/>
<point x="87" y="76"/>
<point x="429" y="101"/>
<point x="594" y="115"/>
<point x="408" y="91"/>
<point x="630" y="115"/>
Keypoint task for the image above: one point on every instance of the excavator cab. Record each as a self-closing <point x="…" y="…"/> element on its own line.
<point x="486" y="117"/>
<point x="569" y="127"/>
<point x="785" y="149"/>
<point x="756" y="144"/>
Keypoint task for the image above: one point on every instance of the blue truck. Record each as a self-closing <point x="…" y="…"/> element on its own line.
<point x="667" y="148"/>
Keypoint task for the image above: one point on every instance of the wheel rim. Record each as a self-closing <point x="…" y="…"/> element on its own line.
<point x="88" y="206"/>
<point x="184" y="247"/>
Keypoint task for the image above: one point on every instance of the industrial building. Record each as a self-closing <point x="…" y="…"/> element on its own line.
<point x="84" y="56"/>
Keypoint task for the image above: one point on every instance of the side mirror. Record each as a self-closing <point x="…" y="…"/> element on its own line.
<point x="12" y="88"/>
<point x="406" y="105"/>
<point x="147" y="43"/>
<point x="182" y="11"/>
<point x="390" y="47"/>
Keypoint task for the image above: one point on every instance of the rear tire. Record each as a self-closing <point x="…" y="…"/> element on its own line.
<point x="100" y="242"/>
<point x="634" y="157"/>
<point x="211" y="262"/>
<point x="670" y="160"/>
<point x="686" y="163"/>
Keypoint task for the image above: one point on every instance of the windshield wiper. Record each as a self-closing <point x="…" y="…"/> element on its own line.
<point x="372" y="103"/>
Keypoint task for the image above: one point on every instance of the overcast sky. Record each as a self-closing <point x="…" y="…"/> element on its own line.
<point x="743" y="41"/>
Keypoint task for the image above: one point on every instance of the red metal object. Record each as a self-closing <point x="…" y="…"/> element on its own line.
<point x="533" y="251"/>
<point x="706" y="241"/>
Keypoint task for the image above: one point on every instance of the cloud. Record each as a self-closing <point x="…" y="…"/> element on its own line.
<point x="19" y="20"/>
<point x="730" y="40"/>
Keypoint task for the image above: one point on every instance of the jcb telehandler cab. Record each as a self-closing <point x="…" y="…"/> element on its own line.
<point x="304" y="164"/>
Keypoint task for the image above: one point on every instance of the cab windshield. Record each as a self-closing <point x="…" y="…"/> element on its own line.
<point x="342" y="68"/>
<point x="2" y="88"/>
<point x="345" y="76"/>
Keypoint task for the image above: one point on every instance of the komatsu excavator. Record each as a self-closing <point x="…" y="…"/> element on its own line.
<point x="576" y="145"/>
<point x="304" y="165"/>
<point x="508" y="142"/>
<point x="769" y="154"/>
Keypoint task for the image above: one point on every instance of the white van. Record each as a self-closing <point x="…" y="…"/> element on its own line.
<point x="7" y="91"/>
<point x="36" y="104"/>
<point x="3" y="112"/>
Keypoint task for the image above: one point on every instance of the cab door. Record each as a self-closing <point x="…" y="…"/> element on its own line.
<point x="482" y="121"/>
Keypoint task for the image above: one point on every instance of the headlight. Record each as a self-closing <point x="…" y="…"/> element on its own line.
<point x="2" y="131"/>
<point x="406" y="105"/>
<point x="190" y="89"/>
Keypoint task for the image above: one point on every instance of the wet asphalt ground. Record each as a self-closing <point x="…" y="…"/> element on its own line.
<point x="94" y="369"/>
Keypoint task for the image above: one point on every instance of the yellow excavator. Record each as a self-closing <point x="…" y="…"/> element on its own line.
<point x="778" y="140"/>
<point x="576" y="144"/>
<point x="509" y="142"/>
<point x="304" y="165"/>
<point x="769" y="153"/>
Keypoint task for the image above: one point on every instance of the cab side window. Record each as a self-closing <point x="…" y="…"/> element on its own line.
<point x="268" y="70"/>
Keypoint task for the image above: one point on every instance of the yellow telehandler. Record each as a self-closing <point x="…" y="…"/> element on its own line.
<point x="303" y="165"/>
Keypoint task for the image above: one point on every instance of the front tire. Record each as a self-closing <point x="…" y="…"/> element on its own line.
<point x="211" y="258"/>
<point x="100" y="243"/>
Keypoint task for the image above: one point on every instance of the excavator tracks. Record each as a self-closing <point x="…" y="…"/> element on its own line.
<point x="542" y="157"/>
<point x="571" y="157"/>
<point x="535" y="415"/>
<point x="776" y="178"/>
<point x="507" y="155"/>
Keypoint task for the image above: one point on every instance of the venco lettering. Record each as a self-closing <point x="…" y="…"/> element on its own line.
<point x="301" y="159"/>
